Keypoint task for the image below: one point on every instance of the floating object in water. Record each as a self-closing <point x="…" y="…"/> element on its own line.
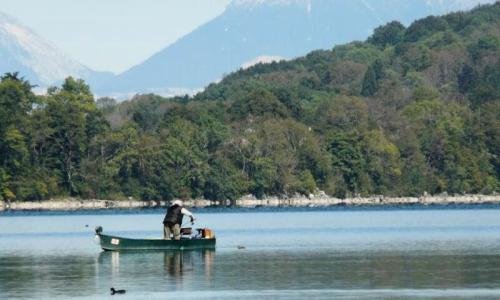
<point x="116" y="243"/>
<point x="208" y="233"/>
<point x="86" y="225"/>
<point x="241" y="247"/>
<point x="113" y="291"/>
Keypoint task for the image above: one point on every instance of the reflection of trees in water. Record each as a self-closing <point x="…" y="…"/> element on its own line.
<point x="364" y="271"/>
<point x="74" y="275"/>
<point x="174" y="263"/>
<point x="174" y="266"/>
<point x="25" y="276"/>
<point x="178" y="263"/>
<point x="208" y="262"/>
<point x="178" y="269"/>
<point x="115" y="263"/>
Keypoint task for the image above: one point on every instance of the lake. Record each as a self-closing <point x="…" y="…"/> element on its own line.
<point x="341" y="253"/>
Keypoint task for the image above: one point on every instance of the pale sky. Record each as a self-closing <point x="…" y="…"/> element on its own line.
<point x="112" y="35"/>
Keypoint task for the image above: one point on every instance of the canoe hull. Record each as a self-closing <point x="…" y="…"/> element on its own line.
<point x="115" y="243"/>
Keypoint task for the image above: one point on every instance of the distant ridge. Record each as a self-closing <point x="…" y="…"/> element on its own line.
<point x="249" y="29"/>
<point x="246" y="32"/>
<point x="23" y="50"/>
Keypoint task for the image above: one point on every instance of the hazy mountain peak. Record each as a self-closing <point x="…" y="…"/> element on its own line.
<point x="451" y="5"/>
<point x="22" y="50"/>
<point x="439" y="6"/>
<point x="263" y="59"/>
<point x="252" y="31"/>
<point x="251" y="4"/>
<point x="266" y="2"/>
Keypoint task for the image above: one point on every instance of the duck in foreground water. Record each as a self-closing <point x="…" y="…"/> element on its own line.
<point x="113" y="291"/>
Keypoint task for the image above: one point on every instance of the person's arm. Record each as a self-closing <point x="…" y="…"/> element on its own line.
<point x="187" y="213"/>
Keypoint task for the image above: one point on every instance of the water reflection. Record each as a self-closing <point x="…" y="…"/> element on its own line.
<point x="174" y="263"/>
<point x="178" y="263"/>
<point x="146" y="274"/>
<point x="355" y="255"/>
<point x="175" y="266"/>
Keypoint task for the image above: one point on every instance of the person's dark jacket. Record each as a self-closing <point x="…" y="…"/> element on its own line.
<point x="174" y="215"/>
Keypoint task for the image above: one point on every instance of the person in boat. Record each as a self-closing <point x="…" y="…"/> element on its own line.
<point x="173" y="220"/>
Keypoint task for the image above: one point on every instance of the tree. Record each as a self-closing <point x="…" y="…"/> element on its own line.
<point x="67" y="109"/>
<point x="264" y="174"/>
<point x="347" y="162"/>
<point x="259" y="103"/>
<point x="106" y="104"/>
<point x="372" y="76"/>
<point x="16" y="103"/>
<point x="383" y="164"/>
<point x="5" y="192"/>
<point x="416" y="58"/>
<point x="467" y="79"/>
<point x="389" y="34"/>
<point x="488" y="87"/>
<point x="453" y="150"/>
<point x="489" y="126"/>
<point x="370" y="85"/>
<point x="424" y="27"/>
<point x="224" y="181"/>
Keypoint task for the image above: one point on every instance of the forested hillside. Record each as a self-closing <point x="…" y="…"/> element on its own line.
<point x="410" y="110"/>
<point x="253" y="30"/>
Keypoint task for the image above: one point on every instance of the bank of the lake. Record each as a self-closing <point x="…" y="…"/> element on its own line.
<point x="248" y="202"/>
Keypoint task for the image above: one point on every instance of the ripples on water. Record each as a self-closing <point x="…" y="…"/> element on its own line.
<point x="419" y="253"/>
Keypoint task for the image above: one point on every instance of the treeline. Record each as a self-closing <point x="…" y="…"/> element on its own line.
<point x="410" y="110"/>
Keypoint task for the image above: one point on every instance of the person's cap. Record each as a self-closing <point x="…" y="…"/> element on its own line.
<point x="177" y="202"/>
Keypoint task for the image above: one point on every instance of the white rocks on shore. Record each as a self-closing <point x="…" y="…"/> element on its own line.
<point x="250" y="201"/>
<point x="375" y="200"/>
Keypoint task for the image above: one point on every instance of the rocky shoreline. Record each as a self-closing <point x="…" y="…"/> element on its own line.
<point x="249" y="202"/>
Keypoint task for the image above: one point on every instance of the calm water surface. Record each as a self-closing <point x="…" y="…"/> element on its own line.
<point x="419" y="253"/>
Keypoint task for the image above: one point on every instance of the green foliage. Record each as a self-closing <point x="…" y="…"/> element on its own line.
<point x="105" y="103"/>
<point x="264" y="175"/>
<point x="467" y="79"/>
<point x="489" y="121"/>
<point x="452" y="148"/>
<point x="258" y="103"/>
<point x="417" y="58"/>
<point x="224" y="181"/>
<point x="16" y="101"/>
<point x="425" y="27"/>
<point x="383" y="162"/>
<point x="5" y="193"/>
<point x="341" y="113"/>
<point x="347" y="162"/>
<point x="145" y="113"/>
<point x="308" y="184"/>
<point x="387" y="35"/>
<point x="484" y="46"/>
<point x="15" y="153"/>
<point x="488" y="86"/>
<point x="363" y="53"/>
<point x="370" y="84"/>
<point x="67" y="111"/>
<point x="372" y="76"/>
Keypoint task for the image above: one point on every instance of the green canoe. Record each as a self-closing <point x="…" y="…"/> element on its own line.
<point x="115" y="243"/>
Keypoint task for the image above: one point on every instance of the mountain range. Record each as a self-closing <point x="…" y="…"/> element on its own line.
<point x="247" y="32"/>
<point x="23" y="50"/>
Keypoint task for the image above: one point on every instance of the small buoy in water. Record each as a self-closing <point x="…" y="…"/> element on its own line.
<point x="241" y="247"/>
<point x="113" y="291"/>
<point x="86" y="225"/>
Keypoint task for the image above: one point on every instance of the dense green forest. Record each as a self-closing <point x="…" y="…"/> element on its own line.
<point x="408" y="111"/>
